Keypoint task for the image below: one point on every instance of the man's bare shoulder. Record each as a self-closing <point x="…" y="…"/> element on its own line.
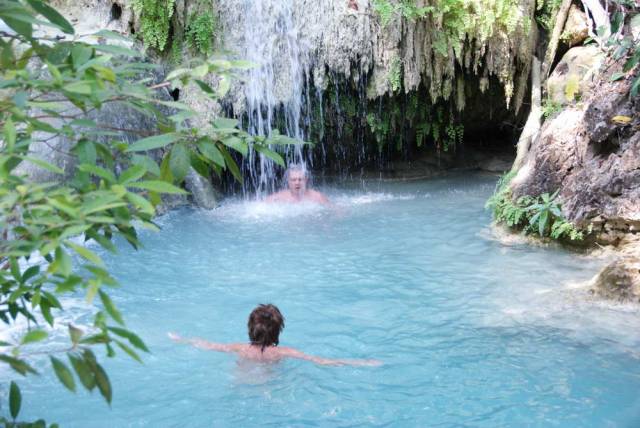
<point x="317" y="196"/>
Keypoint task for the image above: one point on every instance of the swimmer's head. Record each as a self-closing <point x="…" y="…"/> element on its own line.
<point x="265" y="324"/>
<point x="296" y="177"/>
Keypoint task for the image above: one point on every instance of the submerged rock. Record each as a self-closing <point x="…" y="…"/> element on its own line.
<point x="202" y="192"/>
<point x="619" y="280"/>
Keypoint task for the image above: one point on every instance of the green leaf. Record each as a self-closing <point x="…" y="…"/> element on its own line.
<point x="80" y="54"/>
<point x="140" y="203"/>
<point x="616" y="21"/>
<point x="63" y="373"/>
<point x="30" y="273"/>
<point x="110" y="307"/>
<point x="270" y="154"/>
<point x="158" y="186"/>
<point x="129" y="351"/>
<point x="179" y="162"/>
<point x="18" y="22"/>
<point x="9" y="134"/>
<point x="52" y="15"/>
<point x="211" y="152"/>
<point x="15" y="268"/>
<point x="98" y="171"/>
<point x="178" y="72"/>
<point x="205" y="88"/>
<point x="86" y="152"/>
<point x="132" y="174"/>
<point x="233" y="167"/>
<point x="237" y="144"/>
<point x="278" y="139"/>
<point x="102" y="380"/>
<point x="15" y="400"/>
<point x="148" y="163"/>
<point x="243" y="64"/>
<point x="86" y="253"/>
<point x="154" y="142"/>
<point x="34" y="336"/>
<point x="224" y="84"/>
<point x="542" y="223"/>
<point x="223" y="122"/>
<point x="102" y="203"/>
<point x="82" y="87"/>
<point x="83" y="370"/>
<point x="45" y="309"/>
<point x="131" y="337"/>
<point x="53" y="300"/>
<point x="44" y="164"/>
<point x="117" y="50"/>
<point x="200" y="71"/>
<point x="62" y="263"/>
<point x="18" y="365"/>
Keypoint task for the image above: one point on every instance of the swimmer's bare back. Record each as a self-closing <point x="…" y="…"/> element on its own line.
<point x="270" y="353"/>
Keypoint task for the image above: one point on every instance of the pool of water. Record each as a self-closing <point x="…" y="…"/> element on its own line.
<point x="472" y="331"/>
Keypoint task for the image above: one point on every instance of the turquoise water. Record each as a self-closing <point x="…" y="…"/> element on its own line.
<point x="473" y="332"/>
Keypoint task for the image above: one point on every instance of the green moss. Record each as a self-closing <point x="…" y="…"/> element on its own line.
<point x="201" y="31"/>
<point x="550" y="108"/>
<point x="155" y="21"/>
<point x="395" y="74"/>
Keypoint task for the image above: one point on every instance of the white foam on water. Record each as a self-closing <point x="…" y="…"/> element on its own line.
<point x="258" y="211"/>
<point x="371" y="198"/>
<point x="262" y="211"/>
<point x="572" y="308"/>
<point x="76" y="311"/>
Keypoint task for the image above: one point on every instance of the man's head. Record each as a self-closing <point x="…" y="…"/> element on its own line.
<point x="265" y="324"/>
<point x="296" y="177"/>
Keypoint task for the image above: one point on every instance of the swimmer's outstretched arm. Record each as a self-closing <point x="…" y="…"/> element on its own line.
<point x="203" y="344"/>
<point x="294" y="353"/>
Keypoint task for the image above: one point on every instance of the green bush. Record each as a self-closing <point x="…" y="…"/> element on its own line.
<point x="624" y="45"/>
<point x="540" y="215"/>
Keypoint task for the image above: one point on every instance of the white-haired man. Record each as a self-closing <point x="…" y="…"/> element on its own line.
<point x="297" y="178"/>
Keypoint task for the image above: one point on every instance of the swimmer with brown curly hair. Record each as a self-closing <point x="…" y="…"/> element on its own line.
<point x="265" y="325"/>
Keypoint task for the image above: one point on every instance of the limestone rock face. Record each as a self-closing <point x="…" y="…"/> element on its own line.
<point x="592" y="154"/>
<point x="349" y="39"/>
<point x="574" y="74"/>
<point x="90" y="16"/>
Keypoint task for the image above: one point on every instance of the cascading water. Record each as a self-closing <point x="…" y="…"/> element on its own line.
<point x="276" y="90"/>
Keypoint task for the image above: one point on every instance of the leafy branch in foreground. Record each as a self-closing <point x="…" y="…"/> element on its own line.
<point x="54" y="89"/>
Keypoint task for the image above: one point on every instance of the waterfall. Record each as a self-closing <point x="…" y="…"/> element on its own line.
<point x="276" y="90"/>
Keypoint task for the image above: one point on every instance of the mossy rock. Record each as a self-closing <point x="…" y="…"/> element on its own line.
<point x="572" y="78"/>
